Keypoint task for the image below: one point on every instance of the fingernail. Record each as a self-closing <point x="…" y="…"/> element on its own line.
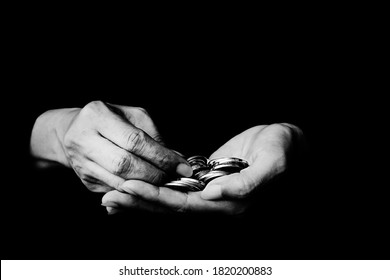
<point x="184" y="170"/>
<point x="109" y="204"/>
<point x="211" y="192"/>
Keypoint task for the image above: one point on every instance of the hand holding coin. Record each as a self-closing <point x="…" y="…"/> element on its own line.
<point x="266" y="148"/>
<point x="106" y="145"/>
<point x="264" y="152"/>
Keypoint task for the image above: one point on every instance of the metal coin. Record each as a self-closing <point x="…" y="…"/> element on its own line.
<point x="186" y="184"/>
<point x="200" y="173"/>
<point x="198" y="159"/>
<point x="177" y="185"/>
<point x="229" y="167"/>
<point x="205" y="170"/>
<point x="190" y="180"/>
<point x="198" y="167"/>
<point x="206" y="178"/>
<point x="228" y="160"/>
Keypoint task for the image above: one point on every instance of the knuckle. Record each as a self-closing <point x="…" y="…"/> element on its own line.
<point x="141" y="111"/>
<point x="284" y="129"/>
<point x="293" y="129"/>
<point x="157" y="137"/>
<point x="135" y="140"/>
<point x="166" y="160"/>
<point x="68" y="141"/>
<point x="157" y="178"/>
<point x="289" y="130"/>
<point x="92" y="108"/>
<point x="73" y="140"/>
<point x="95" y="104"/>
<point x="122" y="165"/>
<point x="289" y="125"/>
<point x="141" y="117"/>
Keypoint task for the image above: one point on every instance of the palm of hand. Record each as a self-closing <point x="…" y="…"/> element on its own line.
<point x="264" y="147"/>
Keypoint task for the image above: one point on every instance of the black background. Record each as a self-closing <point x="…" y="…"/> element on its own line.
<point x="201" y="89"/>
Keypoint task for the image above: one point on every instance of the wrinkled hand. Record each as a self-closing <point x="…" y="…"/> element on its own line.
<point x="265" y="147"/>
<point x="106" y="145"/>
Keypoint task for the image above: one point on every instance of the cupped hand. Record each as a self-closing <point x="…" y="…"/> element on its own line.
<point x="266" y="148"/>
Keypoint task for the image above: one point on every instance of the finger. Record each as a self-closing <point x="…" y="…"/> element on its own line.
<point x="122" y="163"/>
<point x="98" y="179"/>
<point x="120" y="200"/>
<point x="241" y="185"/>
<point x="140" y="118"/>
<point x="138" y="142"/>
<point x="179" y="201"/>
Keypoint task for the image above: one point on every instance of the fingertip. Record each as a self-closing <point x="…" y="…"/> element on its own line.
<point x="184" y="169"/>
<point x="212" y="192"/>
<point x="107" y="198"/>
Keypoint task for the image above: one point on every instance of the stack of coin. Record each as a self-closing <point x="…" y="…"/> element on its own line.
<point x="199" y="166"/>
<point x="206" y="170"/>
<point x="186" y="184"/>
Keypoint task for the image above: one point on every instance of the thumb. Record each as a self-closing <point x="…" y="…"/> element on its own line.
<point x="229" y="186"/>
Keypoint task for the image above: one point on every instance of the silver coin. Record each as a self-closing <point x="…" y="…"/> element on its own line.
<point x="228" y="160"/>
<point x="181" y="187"/>
<point x="186" y="184"/>
<point x="177" y="185"/>
<point x="206" y="178"/>
<point x="190" y="181"/>
<point x="199" y="159"/>
<point x="197" y="167"/>
<point x="228" y="167"/>
<point x="205" y="170"/>
<point x="200" y="173"/>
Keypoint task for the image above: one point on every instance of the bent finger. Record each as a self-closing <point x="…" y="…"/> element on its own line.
<point x="98" y="179"/>
<point x="122" y="163"/>
<point x="138" y="142"/>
